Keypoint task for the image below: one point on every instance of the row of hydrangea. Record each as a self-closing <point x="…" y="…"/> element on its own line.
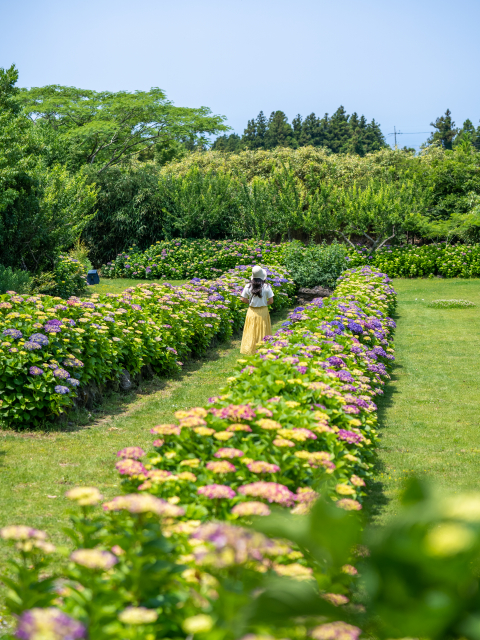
<point x="177" y="259"/>
<point x="300" y="409"/>
<point x="51" y="348"/>
<point x="297" y="416"/>
<point x="448" y="261"/>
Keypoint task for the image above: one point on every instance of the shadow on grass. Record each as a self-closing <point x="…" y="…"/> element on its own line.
<point x="376" y="499"/>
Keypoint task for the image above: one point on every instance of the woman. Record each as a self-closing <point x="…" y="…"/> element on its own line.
<point x="258" y="295"/>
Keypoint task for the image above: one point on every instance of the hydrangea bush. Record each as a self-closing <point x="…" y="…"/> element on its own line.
<point x="449" y="261"/>
<point x="192" y="258"/>
<point x="50" y="348"/>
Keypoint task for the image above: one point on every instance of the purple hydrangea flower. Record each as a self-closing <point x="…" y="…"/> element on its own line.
<point x="35" y="371"/>
<point x="49" y="622"/>
<point x="73" y="382"/>
<point x="61" y="373"/>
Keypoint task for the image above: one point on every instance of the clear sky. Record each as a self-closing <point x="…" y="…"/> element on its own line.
<point x="400" y="62"/>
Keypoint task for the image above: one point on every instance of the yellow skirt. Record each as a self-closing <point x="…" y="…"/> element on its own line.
<point x="257" y="326"/>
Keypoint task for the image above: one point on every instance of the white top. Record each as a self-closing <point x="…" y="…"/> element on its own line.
<point x="255" y="301"/>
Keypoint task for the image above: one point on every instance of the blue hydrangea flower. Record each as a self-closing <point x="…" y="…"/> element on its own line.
<point x="31" y="346"/>
<point x="40" y="338"/>
<point x="61" y="390"/>
<point x="73" y="382"/>
<point x="13" y="333"/>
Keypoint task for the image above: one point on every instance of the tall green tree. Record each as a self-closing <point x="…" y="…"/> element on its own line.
<point x="468" y="135"/>
<point x="279" y="132"/>
<point x="105" y="129"/>
<point x="445" y="130"/>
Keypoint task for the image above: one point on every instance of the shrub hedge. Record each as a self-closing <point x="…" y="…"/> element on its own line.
<point x="191" y="258"/>
<point x="448" y="261"/>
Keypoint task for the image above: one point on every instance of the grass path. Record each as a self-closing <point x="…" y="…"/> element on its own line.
<point x="36" y="469"/>
<point x="430" y="414"/>
<point x="117" y="285"/>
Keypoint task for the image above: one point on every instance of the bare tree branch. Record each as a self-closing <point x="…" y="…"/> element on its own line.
<point x="386" y="239"/>
<point x="345" y="238"/>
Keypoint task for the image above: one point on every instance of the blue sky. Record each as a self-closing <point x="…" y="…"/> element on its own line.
<point x="402" y="63"/>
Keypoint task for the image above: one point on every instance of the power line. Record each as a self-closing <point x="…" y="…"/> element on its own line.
<point x="405" y="133"/>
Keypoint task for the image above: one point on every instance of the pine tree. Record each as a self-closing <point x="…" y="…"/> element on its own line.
<point x="279" y="132"/>
<point x="262" y="126"/>
<point x="297" y="125"/>
<point x="468" y="134"/>
<point x="374" y="140"/>
<point x="339" y="130"/>
<point x="249" y="137"/>
<point x="446" y="131"/>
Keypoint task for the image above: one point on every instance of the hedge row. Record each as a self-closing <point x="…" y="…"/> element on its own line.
<point x="52" y="349"/>
<point x="448" y="261"/>
<point x="298" y="412"/>
<point x="181" y="258"/>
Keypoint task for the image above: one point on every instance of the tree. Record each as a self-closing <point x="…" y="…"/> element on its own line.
<point x="468" y="136"/>
<point x="105" y="129"/>
<point x="339" y="130"/>
<point x="279" y="132"/>
<point x="446" y="131"/>
<point x="297" y="126"/>
<point x="42" y="209"/>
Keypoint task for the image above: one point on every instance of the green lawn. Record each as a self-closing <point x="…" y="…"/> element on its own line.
<point x="117" y="285"/>
<point x="430" y="413"/>
<point x="36" y="469"/>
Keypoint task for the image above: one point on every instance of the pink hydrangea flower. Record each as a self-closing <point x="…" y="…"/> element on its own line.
<point x="216" y="491"/>
<point x="220" y="466"/>
<point x="134" y="453"/>
<point x="252" y="508"/>
<point x="130" y="468"/>
<point x="270" y="491"/>
<point x="259" y="466"/>
<point x="228" y="452"/>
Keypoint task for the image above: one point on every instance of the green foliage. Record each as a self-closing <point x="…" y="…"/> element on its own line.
<point x="81" y="252"/>
<point x="82" y="343"/>
<point x="105" y="128"/>
<point x="315" y="264"/>
<point x="449" y="261"/>
<point x="445" y="131"/>
<point x="191" y="259"/>
<point x="339" y="133"/>
<point x="451" y="304"/>
<point x="42" y="209"/>
<point x="14" y="280"/>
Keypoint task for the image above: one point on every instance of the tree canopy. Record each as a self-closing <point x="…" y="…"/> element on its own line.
<point x="104" y="128"/>
<point x="341" y="133"/>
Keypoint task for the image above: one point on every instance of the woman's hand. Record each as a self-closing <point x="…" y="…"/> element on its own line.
<point x="246" y="300"/>
<point x="270" y="301"/>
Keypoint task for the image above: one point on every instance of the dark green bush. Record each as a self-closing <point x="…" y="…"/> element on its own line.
<point x="14" y="280"/>
<point x="314" y="265"/>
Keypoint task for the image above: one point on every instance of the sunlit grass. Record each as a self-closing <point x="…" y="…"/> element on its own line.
<point x="430" y="414"/>
<point x="117" y="285"/>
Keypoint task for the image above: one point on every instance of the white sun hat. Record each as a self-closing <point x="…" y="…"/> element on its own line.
<point x="258" y="272"/>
